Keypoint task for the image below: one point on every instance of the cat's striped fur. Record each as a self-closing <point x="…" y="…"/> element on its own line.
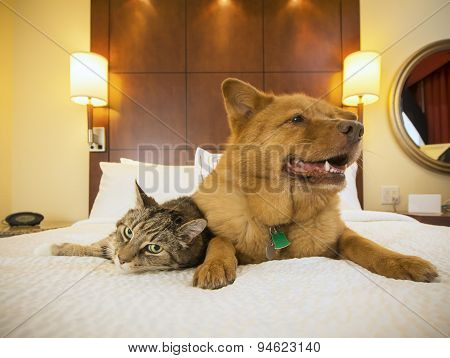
<point x="151" y="237"/>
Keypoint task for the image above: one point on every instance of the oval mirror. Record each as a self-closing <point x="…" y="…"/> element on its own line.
<point x="420" y="100"/>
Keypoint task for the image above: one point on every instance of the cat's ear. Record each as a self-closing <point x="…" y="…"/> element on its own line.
<point x="142" y="199"/>
<point x="187" y="232"/>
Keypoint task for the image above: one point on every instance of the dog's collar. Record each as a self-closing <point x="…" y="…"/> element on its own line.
<point x="278" y="240"/>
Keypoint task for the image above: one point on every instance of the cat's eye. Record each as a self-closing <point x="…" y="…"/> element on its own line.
<point x="128" y="233"/>
<point x="153" y="248"/>
<point x="298" y="118"/>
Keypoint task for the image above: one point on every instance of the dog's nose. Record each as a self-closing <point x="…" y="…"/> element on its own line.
<point x="352" y="129"/>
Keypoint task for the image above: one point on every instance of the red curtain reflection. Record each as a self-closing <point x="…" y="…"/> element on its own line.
<point x="436" y="102"/>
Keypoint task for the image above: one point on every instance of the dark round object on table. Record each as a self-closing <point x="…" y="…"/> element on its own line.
<point x="24" y="219"/>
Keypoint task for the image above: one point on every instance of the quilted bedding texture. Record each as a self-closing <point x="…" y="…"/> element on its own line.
<point x="310" y="297"/>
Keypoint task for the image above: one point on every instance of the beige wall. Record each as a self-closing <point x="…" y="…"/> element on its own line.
<point x="49" y="157"/>
<point x="382" y="23"/>
<point x="5" y="110"/>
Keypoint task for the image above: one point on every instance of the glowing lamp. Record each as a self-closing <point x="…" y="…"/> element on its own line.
<point x="361" y="78"/>
<point x="89" y="86"/>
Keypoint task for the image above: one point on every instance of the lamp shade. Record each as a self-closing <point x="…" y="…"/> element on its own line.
<point x="361" y="78"/>
<point x="88" y="79"/>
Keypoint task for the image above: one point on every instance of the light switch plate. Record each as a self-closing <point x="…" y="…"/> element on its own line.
<point x="99" y="144"/>
<point x="390" y="195"/>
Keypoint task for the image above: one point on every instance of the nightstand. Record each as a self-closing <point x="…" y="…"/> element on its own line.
<point x="432" y="219"/>
<point x="6" y="230"/>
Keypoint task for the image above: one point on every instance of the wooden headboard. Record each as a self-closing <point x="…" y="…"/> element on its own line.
<point x="167" y="59"/>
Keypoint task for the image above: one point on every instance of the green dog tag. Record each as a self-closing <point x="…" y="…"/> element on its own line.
<point x="279" y="239"/>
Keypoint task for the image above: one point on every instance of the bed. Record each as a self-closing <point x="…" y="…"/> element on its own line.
<point x="42" y="296"/>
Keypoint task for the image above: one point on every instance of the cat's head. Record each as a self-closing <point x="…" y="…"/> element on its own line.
<point x="150" y="237"/>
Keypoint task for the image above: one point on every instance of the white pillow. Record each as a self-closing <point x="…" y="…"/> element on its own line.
<point x="163" y="180"/>
<point x="117" y="193"/>
<point x="349" y="196"/>
<point x="205" y="162"/>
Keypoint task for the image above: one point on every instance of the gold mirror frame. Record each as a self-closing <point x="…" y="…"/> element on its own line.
<point x="396" y="107"/>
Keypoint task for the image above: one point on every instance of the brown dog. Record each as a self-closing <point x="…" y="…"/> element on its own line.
<point x="281" y="174"/>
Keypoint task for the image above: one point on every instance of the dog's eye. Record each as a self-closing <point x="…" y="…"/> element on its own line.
<point x="298" y="118"/>
<point x="153" y="248"/>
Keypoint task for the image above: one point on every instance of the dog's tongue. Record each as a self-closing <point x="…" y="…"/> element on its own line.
<point x="313" y="166"/>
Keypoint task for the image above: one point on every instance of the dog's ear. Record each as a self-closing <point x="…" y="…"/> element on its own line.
<point x="343" y="114"/>
<point x="242" y="101"/>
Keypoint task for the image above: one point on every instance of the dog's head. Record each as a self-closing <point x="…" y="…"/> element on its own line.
<point x="300" y="138"/>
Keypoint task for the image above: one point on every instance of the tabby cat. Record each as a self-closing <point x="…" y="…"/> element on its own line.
<point x="151" y="237"/>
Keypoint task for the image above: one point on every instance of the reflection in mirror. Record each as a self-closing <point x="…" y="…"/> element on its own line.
<point x="425" y="102"/>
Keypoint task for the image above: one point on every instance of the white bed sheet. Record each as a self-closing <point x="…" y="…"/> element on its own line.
<point x="312" y="297"/>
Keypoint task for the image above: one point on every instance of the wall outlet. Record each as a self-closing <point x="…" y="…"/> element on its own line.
<point x="390" y="195"/>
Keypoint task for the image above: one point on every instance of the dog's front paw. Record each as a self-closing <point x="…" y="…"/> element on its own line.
<point x="407" y="268"/>
<point x="215" y="274"/>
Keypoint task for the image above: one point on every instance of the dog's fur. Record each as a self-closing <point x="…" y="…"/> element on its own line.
<point x="241" y="204"/>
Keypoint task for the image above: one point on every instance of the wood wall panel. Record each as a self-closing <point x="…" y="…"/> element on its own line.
<point x="147" y="108"/>
<point x="206" y="116"/>
<point x="152" y="154"/>
<point x="315" y="84"/>
<point x="100" y="27"/>
<point x="147" y="36"/>
<point x="302" y="35"/>
<point x="224" y="36"/>
<point x="351" y="43"/>
<point x="350" y="26"/>
<point x="169" y="57"/>
<point x="100" y="45"/>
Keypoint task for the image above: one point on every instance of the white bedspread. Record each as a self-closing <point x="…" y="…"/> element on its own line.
<point x="86" y="297"/>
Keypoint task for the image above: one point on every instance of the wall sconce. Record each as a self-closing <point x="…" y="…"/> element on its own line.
<point x="361" y="79"/>
<point x="89" y="86"/>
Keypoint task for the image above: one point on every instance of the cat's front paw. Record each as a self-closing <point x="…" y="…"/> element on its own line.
<point x="215" y="274"/>
<point x="407" y="268"/>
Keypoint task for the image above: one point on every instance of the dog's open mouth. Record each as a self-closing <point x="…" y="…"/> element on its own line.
<point x="329" y="170"/>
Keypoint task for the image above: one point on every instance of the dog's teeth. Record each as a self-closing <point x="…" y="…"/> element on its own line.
<point x="327" y="166"/>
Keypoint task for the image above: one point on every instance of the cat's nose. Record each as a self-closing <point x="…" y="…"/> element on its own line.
<point x="122" y="259"/>
<point x="125" y="255"/>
